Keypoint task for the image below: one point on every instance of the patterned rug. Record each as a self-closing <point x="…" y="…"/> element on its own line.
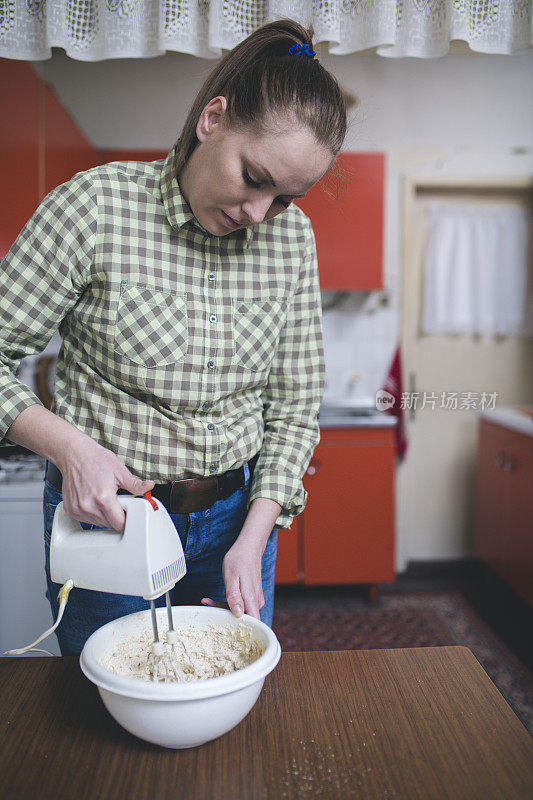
<point x="339" y="619"/>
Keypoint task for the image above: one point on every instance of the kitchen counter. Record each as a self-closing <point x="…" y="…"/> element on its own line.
<point x="516" y="418"/>
<point x="413" y="724"/>
<point x="378" y="420"/>
<point x="351" y="413"/>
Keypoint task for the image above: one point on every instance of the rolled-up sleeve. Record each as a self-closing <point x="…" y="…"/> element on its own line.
<point x="41" y="278"/>
<point x="292" y="398"/>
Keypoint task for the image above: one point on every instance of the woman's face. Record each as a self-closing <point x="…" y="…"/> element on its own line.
<point x="227" y="172"/>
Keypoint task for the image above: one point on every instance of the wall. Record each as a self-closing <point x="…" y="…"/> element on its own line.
<point x="464" y="112"/>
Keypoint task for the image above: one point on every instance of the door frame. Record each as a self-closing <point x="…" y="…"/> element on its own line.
<point x="413" y="185"/>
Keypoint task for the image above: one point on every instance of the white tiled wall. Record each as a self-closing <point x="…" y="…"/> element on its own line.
<point x="360" y="337"/>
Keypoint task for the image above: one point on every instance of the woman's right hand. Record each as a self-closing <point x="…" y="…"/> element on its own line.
<point x="91" y="476"/>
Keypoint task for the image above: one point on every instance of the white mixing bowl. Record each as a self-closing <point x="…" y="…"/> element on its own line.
<point x="185" y="714"/>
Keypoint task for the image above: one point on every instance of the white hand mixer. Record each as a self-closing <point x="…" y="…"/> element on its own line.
<point x="145" y="560"/>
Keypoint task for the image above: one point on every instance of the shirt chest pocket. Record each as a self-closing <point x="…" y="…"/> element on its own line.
<point x="256" y="328"/>
<point x="151" y="326"/>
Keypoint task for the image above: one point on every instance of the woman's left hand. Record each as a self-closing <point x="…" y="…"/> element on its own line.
<point x="241" y="569"/>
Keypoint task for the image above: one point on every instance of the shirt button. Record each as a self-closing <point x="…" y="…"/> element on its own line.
<point x="206" y="405"/>
<point x="211" y="427"/>
<point x="210" y="364"/>
<point x="212" y="468"/>
<point x="212" y="318"/>
<point x="211" y="276"/>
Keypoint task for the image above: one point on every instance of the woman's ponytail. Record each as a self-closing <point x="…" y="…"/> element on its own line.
<point x="266" y="87"/>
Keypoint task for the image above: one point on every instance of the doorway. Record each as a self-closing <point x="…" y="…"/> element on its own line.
<point x="436" y="491"/>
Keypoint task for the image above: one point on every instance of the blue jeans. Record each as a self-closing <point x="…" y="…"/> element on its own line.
<point x="206" y="536"/>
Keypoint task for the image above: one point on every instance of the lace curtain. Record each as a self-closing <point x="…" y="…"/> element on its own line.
<point x="478" y="270"/>
<point x="94" y="30"/>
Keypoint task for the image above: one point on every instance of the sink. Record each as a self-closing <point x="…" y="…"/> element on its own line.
<point x="350" y="413"/>
<point x="356" y="408"/>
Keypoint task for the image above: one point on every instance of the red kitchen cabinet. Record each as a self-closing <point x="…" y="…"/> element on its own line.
<point x="349" y="229"/>
<point x="19" y="144"/>
<point x="288" y="558"/>
<point x="41" y="146"/>
<point x="345" y="535"/>
<point x="66" y="149"/>
<point x="503" y="532"/>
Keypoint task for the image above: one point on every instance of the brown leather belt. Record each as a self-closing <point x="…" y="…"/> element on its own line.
<point x="182" y="496"/>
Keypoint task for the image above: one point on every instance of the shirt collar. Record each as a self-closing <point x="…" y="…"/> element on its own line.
<point x="177" y="209"/>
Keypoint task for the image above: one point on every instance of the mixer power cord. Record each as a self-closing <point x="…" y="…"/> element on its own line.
<point x="63" y="598"/>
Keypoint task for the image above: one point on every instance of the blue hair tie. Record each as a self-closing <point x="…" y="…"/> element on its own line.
<point x="297" y="48"/>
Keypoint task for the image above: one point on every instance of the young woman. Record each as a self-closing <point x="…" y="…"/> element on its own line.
<point x="186" y="293"/>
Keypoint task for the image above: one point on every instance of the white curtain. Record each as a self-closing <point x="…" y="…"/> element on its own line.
<point x="477" y="272"/>
<point x="94" y="30"/>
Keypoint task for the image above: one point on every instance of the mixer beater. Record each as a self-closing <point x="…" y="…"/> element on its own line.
<point x="162" y="660"/>
<point x="145" y="560"/>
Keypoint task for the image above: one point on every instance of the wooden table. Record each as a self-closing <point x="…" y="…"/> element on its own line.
<point x="419" y="723"/>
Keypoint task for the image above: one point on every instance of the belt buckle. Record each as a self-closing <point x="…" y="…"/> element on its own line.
<point x="193" y="494"/>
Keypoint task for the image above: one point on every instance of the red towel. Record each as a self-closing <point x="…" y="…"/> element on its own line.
<point x="393" y="384"/>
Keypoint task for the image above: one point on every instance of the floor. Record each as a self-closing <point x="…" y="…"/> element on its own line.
<point x="499" y="606"/>
<point x="507" y="614"/>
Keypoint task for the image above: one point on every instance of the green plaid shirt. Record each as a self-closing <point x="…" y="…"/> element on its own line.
<point x="182" y="352"/>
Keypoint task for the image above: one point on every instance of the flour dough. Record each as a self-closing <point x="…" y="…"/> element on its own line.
<point x="216" y="650"/>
